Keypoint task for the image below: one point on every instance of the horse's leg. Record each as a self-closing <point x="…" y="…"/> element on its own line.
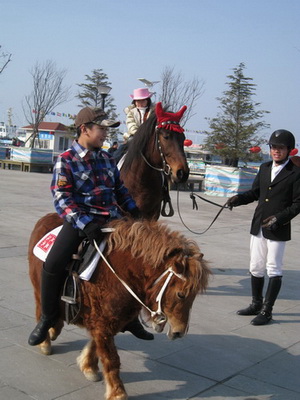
<point x="53" y="333"/>
<point x="45" y="346"/>
<point x="56" y="330"/>
<point x="110" y="359"/>
<point x="87" y="362"/>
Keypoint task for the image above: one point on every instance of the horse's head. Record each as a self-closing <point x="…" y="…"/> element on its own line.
<point x="158" y="142"/>
<point x="170" y="140"/>
<point x="171" y="151"/>
<point x="170" y="268"/>
<point x="174" y="291"/>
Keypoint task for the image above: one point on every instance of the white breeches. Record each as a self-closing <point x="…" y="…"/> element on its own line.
<point x="266" y="254"/>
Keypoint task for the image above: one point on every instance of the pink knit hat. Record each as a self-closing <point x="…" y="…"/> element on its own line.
<point x="141" y="94"/>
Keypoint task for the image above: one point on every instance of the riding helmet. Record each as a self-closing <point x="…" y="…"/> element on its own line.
<point x="282" y="137"/>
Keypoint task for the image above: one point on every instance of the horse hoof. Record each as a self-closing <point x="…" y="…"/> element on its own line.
<point x="92" y="376"/>
<point x="45" y="348"/>
<point x="122" y="396"/>
<point x="53" y="334"/>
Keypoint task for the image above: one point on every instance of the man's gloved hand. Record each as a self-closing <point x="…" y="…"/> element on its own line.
<point x="232" y="202"/>
<point x="270" y="223"/>
<point x="93" y="232"/>
<point x="135" y="213"/>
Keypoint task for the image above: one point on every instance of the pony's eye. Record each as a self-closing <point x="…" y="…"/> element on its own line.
<point x="166" y="137"/>
<point x="180" y="295"/>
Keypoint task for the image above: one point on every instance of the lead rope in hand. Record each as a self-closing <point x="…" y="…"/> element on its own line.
<point x="195" y="206"/>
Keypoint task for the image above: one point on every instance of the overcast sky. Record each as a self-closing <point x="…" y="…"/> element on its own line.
<point x="133" y="39"/>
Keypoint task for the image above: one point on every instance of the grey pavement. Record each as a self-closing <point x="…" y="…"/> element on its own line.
<point x="222" y="357"/>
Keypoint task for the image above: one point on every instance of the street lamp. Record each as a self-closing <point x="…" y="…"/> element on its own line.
<point x="103" y="91"/>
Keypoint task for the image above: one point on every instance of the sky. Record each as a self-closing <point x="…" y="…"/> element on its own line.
<point x="203" y="39"/>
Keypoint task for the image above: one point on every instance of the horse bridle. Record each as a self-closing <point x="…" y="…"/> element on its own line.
<point x="158" y="316"/>
<point x="166" y="169"/>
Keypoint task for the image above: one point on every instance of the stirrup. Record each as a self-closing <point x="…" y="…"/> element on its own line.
<point x="67" y="289"/>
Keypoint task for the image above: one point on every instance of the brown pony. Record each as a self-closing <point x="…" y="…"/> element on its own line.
<point x="107" y="306"/>
<point x="155" y="158"/>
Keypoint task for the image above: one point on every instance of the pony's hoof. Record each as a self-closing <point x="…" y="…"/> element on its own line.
<point x="121" y="396"/>
<point x="92" y="376"/>
<point x="53" y="334"/>
<point x="45" y="348"/>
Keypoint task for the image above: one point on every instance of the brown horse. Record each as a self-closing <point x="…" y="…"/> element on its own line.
<point x="155" y="158"/>
<point x="107" y="306"/>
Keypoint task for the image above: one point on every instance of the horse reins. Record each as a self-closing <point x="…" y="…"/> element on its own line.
<point x="192" y="196"/>
<point x="166" y="169"/>
<point x="158" y="316"/>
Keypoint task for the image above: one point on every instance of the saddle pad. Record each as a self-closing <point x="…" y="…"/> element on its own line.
<point x="43" y="247"/>
<point x="121" y="162"/>
<point x="92" y="263"/>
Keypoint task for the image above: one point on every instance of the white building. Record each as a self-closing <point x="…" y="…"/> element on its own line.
<point x="52" y="136"/>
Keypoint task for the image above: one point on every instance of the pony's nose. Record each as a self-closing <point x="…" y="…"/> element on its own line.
<point x="176" y="335"/>
<point x="182" y="176"/>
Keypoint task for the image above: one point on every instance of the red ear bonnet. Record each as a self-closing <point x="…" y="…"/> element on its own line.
<point x="168" y="120"/>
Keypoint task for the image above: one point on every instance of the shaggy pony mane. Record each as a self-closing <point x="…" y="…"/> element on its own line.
<point x="154" y="242"/>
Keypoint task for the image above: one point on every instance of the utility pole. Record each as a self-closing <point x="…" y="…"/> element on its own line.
<point x="9" y="116"/>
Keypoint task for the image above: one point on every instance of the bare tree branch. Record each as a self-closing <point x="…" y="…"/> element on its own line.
<point x="6" y="59"/>
<point x="48" y="93"/>
<point x="176" y="92"/>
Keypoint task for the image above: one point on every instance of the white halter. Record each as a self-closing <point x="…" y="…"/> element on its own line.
<point x="158" y="316"/>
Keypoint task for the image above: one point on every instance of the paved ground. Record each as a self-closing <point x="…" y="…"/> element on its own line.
<point x="222" y="357"/>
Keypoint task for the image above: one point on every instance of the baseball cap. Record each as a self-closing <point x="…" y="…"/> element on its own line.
<point x="96" y="116"/>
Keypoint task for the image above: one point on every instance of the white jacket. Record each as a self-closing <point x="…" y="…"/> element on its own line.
<point x="134" y="118"/>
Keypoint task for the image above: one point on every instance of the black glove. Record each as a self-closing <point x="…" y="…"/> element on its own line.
<point x="135" y="213"/>
<point x="93" y="232"/>
<point x="232" y="202"/>
<point x="270" y="223"/>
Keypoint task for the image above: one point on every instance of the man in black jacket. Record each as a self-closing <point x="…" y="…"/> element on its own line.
<point x="277" y="189"/>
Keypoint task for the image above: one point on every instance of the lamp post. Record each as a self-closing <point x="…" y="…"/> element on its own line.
<point x="103" y="91"/>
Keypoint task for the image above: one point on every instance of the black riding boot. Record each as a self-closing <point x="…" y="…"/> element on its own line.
<point x="265" y="316"/>
<point x="50" y="290"/>
<point x="136" y="328"/>
<point x="257" y="285"/>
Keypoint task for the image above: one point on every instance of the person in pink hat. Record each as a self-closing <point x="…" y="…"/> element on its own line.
<point x="138" y="111"/>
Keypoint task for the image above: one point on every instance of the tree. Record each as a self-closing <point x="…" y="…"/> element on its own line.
<point x="236" y="129"/>
<point x="90" y="97"/>
<point x="5" y="59"/>
<point x="48" y="93"/>
<point x="176" y="92"/>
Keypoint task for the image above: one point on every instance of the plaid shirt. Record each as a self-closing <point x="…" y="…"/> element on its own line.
<point x="86" y="186"/>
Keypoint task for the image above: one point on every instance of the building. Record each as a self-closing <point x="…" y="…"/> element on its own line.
<point x="52" y="136"/>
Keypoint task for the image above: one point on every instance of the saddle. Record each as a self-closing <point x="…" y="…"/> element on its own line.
<point x="80" y="268"/>
<point x="71" y="293"/>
